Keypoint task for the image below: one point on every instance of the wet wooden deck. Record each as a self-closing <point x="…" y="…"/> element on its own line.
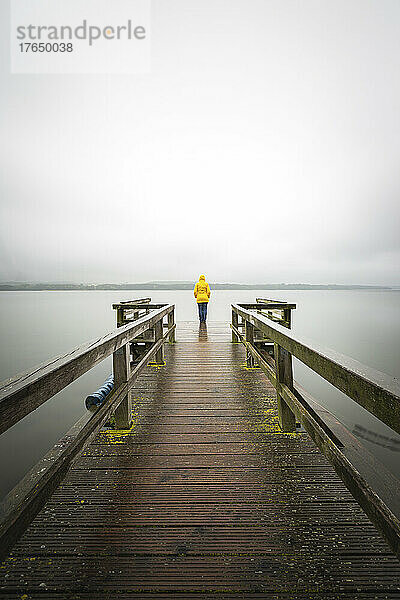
<point x="203" y="498"/>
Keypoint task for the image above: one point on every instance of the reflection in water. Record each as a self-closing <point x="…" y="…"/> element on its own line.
<point x="203" y="332"/>
<point x="377" y="438"/>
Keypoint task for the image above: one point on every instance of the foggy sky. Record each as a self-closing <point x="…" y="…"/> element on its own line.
<point x="264" y="146"/>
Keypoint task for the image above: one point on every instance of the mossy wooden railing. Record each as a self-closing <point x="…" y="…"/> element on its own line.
<point x="281" y="315"/>
<point x="130" y="310"/>
<point x="270" y="346"/>
<point x="133" y="345"/>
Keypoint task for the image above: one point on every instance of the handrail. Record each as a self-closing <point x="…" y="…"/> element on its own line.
<point x="270" y="308"/>
<point x="285" y="316"/>
<point x="374" y="488"/>
<point x="269" y="300"/>
<point x="133" y="308"/>
<point x="138" y="306"/>
<point x="137" y="301"/>
<point x="375" y="391"/>
<point x="22" y="394"/>
<point x="266" y="305"/>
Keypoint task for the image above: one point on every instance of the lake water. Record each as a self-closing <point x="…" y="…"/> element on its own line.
<point x="36" y="326"/>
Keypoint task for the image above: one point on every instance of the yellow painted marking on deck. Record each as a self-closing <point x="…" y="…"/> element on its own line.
<point x="246" y="368"/>
<point x="118" y="436"/>
<point x="157" y="366"/>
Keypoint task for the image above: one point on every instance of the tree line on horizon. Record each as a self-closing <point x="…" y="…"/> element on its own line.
<point x="184" y="285"/>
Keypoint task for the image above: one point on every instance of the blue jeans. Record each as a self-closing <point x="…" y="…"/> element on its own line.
<point x="202" y="311"/>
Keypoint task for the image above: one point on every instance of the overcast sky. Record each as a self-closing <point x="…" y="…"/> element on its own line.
<point x="263" y="146"/>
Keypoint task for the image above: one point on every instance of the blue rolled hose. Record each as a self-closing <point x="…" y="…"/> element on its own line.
<point x="98" y="397"/>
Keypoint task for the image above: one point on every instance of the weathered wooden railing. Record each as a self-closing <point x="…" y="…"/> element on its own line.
<point x="376" y="490"/>
<point x="133" y="345"/>
<point x="130" y="310"/>
<point x="282" y="315"/>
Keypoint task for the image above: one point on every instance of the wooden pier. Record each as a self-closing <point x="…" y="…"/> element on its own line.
<point x="204" y="493"/>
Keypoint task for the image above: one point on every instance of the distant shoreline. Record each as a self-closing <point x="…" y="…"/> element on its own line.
<point x="169" y="286"/>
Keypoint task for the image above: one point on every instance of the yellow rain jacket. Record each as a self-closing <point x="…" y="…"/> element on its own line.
<point x="202" y="290"/>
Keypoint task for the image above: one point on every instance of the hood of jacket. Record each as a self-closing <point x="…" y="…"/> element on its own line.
<point x="202" y="290"/>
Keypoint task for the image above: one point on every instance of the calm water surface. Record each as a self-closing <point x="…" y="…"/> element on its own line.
<point x="36" y="326"/>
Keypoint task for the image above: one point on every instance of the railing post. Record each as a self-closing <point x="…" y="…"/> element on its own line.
<point x="122" y="371"/>
<point x="284" y="374"/>
<point x="171" y="322"/>
<point x="158" y="333"/>
<point x="235" y="322"/>
<point x="120" y="317"/>
<point x="249" y="334"/>
<point x="287" y="316"/>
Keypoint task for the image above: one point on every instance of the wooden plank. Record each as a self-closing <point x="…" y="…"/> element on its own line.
<point x="194" y="513"/>
<point x="250" y="595"/>
<point x="136" y="301"/>
<point x="271" y="574"/>
<point x="212" y="540"/>
<point x="201" y="595"/>
<point x="138" y="305"/>
<point x="266" y="305"/>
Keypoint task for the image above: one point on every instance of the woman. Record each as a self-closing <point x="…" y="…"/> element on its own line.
<point x="202" y="295"/>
